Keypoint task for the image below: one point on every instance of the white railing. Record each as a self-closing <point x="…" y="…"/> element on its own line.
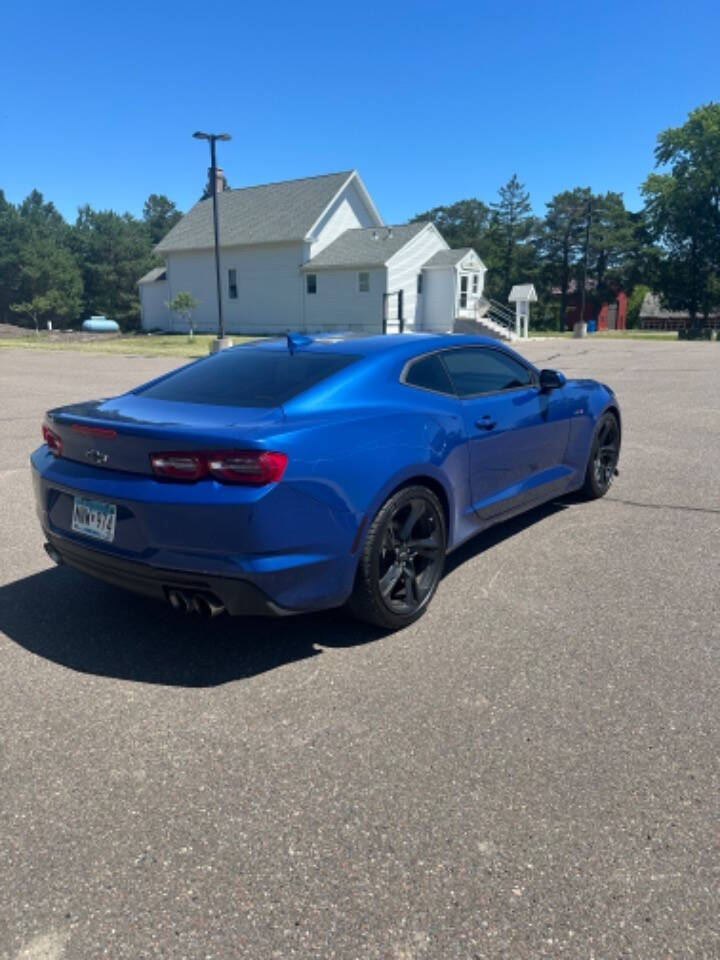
<point x="504" y="317"/>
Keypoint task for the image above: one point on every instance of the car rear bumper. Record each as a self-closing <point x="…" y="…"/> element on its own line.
<point x="283" y="552"/>
<point x="238" y="597"/>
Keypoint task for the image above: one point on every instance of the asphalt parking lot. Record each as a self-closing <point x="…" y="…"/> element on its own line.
<point x="529" y="771"/>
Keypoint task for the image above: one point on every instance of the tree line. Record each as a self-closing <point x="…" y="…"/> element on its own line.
<point x="53" y="270"/>
<point x="672" y="245"/>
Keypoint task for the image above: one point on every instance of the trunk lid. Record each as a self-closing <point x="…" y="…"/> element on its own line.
<point x="121" y="433"/>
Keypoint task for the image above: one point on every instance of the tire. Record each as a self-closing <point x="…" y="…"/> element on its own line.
<point x="401" y="561"/>
<point x="603" y="459"/>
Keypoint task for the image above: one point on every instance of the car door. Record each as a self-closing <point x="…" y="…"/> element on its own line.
<point x="517" y="434"/>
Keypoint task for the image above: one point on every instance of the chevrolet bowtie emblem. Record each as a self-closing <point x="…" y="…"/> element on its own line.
<point x="96" y="456"/>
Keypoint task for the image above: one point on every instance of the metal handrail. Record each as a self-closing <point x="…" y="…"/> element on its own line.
<point x="502" y="316"/>
<point x="502" y="311"/>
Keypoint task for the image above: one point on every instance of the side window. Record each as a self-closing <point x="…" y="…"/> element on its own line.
<point x="311" y="282"/>
<point x="430" y="374"/>
<point x="232" y="284"/>
<point x="363" y="282"/>
<point x="483" y="370"/>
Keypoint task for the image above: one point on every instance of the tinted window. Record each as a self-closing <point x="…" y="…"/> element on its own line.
<point x="246" y="377"/>
<point x="478" y="370"/>
<point x="430" y="374"/>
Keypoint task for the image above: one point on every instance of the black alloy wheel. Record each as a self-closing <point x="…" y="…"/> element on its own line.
<point x="604" y="456"/>
<point x="402" y="559"/>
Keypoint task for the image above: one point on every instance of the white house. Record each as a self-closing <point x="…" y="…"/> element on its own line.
<point x="312" y="255"/>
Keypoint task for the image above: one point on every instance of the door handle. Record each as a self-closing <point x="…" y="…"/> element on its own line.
<point x="485" y="423"/>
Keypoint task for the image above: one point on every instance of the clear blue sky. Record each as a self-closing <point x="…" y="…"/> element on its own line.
<point x="431" y="102"/>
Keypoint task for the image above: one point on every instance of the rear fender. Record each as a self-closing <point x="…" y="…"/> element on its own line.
<point x="415" y="473"/>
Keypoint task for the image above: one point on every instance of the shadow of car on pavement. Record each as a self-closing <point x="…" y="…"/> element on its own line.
<point x="92" y="627"/>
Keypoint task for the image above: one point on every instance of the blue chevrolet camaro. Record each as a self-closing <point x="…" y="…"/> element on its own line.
<point x="309" y="472"/>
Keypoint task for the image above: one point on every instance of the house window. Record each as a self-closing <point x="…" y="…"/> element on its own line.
<point x="419" y="284"/>
<point x="363" y="282"/>
<point x="232" y="284"/>
<point x="311" y="283"/>
<point x="475" y="283"/>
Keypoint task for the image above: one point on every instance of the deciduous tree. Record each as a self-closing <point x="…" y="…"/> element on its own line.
<point x="682" y="207"/>
<point x="183" y="304"/>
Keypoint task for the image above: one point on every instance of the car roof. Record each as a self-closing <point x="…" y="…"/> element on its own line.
<point x="399" y="344"/>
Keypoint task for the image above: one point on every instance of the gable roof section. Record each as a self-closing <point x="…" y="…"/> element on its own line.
<point x="366" y="198"/>
<point x="447" y="258"/>
<point x="451" y="258"/>
<point x="271" y="213"/>
<point x="522" y="291"/>
<point x="152" y="276"/>
<point x="365" y="247"/>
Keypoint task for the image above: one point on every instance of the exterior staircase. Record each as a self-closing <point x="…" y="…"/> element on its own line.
<point x="488" y="319"/>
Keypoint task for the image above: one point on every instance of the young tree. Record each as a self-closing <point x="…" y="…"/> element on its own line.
<point x="183" y="304"/>
<point x="35" y="309"/>
<point x="160" y="215"/>
<point x="682" y="210"/>
<point x="635" y="302"/>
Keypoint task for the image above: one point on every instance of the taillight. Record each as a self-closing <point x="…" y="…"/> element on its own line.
<point x="247" y="467"/>
<point x="52" y="440"/>
<point x="179" y="466"/>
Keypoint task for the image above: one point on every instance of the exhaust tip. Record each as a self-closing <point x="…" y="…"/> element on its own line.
<point x="207" y="605"/>
<point x="53" y="553"/>
<point x="178" y="601"/>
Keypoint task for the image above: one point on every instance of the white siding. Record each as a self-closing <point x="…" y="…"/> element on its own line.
<point x="403" y="270"/>
<point x="195" y="273"/>
<point x="338" y="305"/>
<point x="153" y="312"/>
<point x="269" y="289"/>
<point x="348" y="212"/>
<point x="439" y="297"/>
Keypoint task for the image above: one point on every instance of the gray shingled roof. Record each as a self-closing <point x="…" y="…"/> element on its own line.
<point x="271" y="213"/>
<point x="522" y="291"/>
<point x="157" y="273"/>
<point x="652" y="307"/>
<point x="447" y="258"/>
<point x="367" y="247"/>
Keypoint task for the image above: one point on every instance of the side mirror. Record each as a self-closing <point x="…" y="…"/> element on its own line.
<point x="552" y="380"/>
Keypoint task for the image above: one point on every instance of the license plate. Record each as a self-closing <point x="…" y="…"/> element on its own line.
<point x="94" y="518"/>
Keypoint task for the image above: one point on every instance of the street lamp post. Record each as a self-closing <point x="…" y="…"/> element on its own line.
<point x="212" y="137"/>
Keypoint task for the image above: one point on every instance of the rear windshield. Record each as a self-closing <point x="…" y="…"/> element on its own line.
<point x="249" y="378"/>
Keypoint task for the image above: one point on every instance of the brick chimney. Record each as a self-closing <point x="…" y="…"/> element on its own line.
<point x="219" y="177"/>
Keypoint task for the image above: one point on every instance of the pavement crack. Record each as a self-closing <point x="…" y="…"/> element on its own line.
<point x="663" y="506"/>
